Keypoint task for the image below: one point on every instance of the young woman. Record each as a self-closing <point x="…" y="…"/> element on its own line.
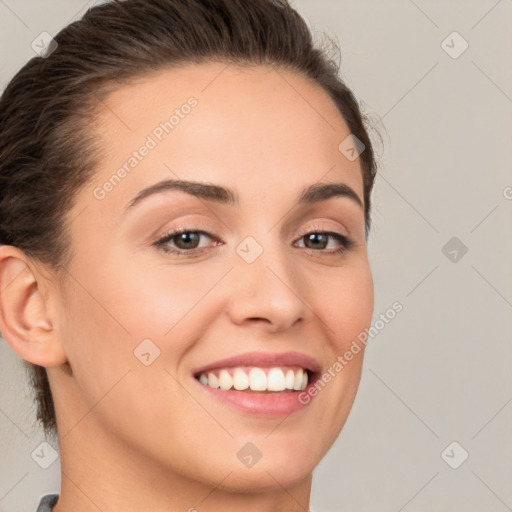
<point x="184" y="207"/>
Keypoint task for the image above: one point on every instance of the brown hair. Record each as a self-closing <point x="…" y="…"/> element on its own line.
<point x="46" y="152"/>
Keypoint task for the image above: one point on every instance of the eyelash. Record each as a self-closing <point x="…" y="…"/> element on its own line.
<point x="346" y="244"/>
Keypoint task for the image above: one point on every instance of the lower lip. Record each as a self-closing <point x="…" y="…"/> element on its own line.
<point x="262" y="404"/>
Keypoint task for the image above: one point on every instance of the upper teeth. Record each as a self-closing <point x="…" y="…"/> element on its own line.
<point x="256" y="379"/>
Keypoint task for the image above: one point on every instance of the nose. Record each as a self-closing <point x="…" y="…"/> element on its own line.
<point x="269" y="292"/>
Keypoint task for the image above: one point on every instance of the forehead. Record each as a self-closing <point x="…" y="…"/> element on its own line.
<point x="252" y="128"/>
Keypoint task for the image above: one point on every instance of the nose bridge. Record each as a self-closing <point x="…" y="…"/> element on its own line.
<point x="267" y="288"/>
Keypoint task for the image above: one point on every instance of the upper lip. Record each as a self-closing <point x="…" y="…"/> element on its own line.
<point x="264" y="359"/>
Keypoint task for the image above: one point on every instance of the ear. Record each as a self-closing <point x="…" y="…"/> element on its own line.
<point x="26" y="317"/>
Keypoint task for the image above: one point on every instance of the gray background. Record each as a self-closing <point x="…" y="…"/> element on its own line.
<point x="441" y="370"/>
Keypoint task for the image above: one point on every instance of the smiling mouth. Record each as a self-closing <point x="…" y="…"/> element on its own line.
<point x="254" y="379"/>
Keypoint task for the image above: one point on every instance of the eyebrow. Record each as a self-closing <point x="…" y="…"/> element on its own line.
<point x="216" y="193"/>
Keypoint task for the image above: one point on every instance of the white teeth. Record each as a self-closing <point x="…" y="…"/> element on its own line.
<point x="276" y="380"/>
<point x="240" y="380"/>
<point x="225" y="380"/>
<point x="297" y="383"/>
<point x="304" y="380"/>
<point x="257" y="379"/>
<point x="213" y="382"/>
<point x="289" y="379"/>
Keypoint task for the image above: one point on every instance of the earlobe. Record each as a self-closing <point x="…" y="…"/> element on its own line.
<point x="25" y="316"/>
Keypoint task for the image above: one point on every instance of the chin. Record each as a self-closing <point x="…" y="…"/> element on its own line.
<point x="269" y="478"/>
<point x="280" y="465"/>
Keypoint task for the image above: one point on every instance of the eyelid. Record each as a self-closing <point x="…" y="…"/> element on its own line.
<point x="178" y="230"/>
<point x="346" y="243"/>
<point x="203" y="225"/>
<point x="207" y="229"/>
<point x="315" y="228"/>
<point x="345" y="240"/>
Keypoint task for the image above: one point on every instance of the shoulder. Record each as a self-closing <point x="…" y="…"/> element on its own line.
<point x="47" y="503"/>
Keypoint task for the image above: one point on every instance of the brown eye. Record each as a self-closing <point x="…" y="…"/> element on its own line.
<point x="188" y="240"/>
<point x="317" y="240"/>
<point x="184" y="242"/>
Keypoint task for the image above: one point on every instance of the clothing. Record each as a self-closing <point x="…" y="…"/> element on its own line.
<point x="47" y="503"/>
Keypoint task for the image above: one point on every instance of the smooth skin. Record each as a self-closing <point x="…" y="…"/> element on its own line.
<point x="135" y="437"/>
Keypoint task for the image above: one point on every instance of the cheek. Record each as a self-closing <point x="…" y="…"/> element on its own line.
<point x="134" y="301"/>
<point x="105" y="324"/>
<point x="345" y="308"/>
<point x="99" y="346"/>
<point x="111" y="311"/>
<point x="345" y="305"/>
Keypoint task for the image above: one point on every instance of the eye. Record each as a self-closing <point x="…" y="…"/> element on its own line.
<point x="318" y="241"/>
<point x="186" y="241"/>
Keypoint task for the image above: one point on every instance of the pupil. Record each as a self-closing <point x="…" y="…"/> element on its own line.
<point x="186" y="239"/>
<point x="315" y="237"/>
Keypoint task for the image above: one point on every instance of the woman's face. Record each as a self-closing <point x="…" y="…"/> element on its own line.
<point x="249" y="286"/>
